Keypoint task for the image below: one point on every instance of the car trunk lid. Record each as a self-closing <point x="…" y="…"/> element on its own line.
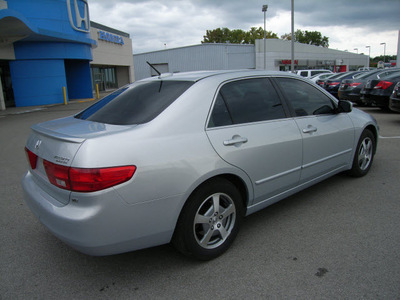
<point x="58" y="142"/>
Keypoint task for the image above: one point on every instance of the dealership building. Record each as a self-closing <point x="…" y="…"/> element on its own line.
<point x="49" y="49"/>
<point x="233" y="56"/>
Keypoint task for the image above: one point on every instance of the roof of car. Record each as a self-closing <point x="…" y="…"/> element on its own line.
<point x="199" y="75"/>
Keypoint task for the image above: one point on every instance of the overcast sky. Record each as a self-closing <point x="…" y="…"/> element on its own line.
<point x="156" y="24"/>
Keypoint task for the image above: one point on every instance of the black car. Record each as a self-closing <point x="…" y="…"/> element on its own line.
<point x="321" y="82"/>
<point x="394" y="100"/>
<point x="324" y="77"/>
<point x="350" y="88"/>
<point x="332" y="84"/>
<point x="377" y="92"/>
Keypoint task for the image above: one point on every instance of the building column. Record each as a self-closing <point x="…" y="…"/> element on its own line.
<point x="2" y="103"/>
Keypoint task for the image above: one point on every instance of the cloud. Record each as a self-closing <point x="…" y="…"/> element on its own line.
<point x="349" y="24"/>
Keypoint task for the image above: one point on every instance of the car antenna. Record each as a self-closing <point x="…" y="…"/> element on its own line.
<point x="158" y="72"/>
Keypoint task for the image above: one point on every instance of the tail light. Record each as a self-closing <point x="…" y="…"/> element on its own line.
<point x="90" y="180"/>
<point x="57" y="174"/>
<point x="332" y="83"/>
<point x="32" y="158"/>
<point x="383" y="85"/>
<point x="353" y="84"/>
<point x="87" y="180"/>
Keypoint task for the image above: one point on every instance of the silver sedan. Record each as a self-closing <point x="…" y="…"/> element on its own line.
<point x="182" y="158"/>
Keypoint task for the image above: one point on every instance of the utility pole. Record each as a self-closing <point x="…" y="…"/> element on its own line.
<point x="264" y="9"/>
<point x="292" y="60"/>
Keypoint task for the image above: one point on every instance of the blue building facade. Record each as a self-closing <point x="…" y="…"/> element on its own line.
<point x="46" y="45"/>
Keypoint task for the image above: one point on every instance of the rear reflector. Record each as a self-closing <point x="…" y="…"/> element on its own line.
<point x="87" y="180"/>
<point x="32" y="158"/>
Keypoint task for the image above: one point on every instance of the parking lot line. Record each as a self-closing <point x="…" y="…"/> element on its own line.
<point x="389" y="137"/>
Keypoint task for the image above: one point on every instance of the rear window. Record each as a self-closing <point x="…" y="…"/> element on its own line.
<point x="136" y="104"/>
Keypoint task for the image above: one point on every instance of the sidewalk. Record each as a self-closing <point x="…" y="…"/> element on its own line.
<point x="29" y="109"/>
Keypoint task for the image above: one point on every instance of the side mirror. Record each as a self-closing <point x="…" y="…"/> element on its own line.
<point x="344" y="106"/>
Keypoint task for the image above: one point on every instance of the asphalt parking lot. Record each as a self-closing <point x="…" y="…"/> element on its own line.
<point x="337" y="240"/>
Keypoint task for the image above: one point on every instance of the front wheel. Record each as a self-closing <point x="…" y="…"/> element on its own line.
<point x="210" y="220"/>
<point x="364" y="154"/>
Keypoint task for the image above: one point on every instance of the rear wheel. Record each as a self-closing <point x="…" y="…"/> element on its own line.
<point x="364" y="154"/>
<point x="210" y="220"/>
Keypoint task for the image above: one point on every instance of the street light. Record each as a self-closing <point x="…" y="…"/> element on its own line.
<point x="292" y="41"/>
<point x="264" y="10"/>
<point x="369" y="54"/>
<point x="356" y="49"/>
<point x="384" y="52"/>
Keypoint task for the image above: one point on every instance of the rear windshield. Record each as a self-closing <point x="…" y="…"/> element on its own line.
<point x="136" y="104"/>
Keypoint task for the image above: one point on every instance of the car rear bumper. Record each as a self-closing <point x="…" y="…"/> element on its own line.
<point x="102" y="223"/>
<point x="394" y="104"/>
<point x="349" y="96"/>
<point x="377" y="100"/>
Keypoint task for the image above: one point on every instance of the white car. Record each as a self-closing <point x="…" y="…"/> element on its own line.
<point x="310" y="73"/>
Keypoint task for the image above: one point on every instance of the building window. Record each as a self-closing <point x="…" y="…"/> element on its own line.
<point x="105" y="77"/>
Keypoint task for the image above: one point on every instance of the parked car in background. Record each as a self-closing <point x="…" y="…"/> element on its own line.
<point x="394" y="100"/>
<point x="332" y="84"/>
<point x="350" y="88"/>
<point x="321" y="76"/>
<point x="377" y="92"/>
<point x="366" y="69"/>
<point x="310" y="73"/>
<point x="321" y="82"/>
<point x="184" y="157"/>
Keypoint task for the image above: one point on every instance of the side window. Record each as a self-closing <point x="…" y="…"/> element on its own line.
<point x="220" y="115"/>
<point x="304" y="98"/>
<point x="304" y="73"/>
<point x="245" y="101"/>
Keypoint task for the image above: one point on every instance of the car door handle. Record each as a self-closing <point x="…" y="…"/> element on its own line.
<point x="236" y="140"/>
<point x="310" y="129"/>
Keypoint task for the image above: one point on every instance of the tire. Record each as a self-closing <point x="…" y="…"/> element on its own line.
<point x="364" y="155"/>
<point x="209" y="221"/>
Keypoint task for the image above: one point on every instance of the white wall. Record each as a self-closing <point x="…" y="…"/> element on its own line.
<point x="278" y="50"/>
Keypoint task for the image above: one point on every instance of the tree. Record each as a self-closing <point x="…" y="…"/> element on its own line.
<point x="236" y="36"/>
<point x="258" y="33"/>
<point x="381" y="58"/>
<point x="308" y="37"/>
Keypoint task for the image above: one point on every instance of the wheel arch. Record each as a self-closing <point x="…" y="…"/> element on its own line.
<point x="179" y="237"/>
<point x="374" y="131"/>
<point x="236" y="180"/>
<point x="244" y="187"/>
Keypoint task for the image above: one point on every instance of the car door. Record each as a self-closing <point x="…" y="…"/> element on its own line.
<point x="328" y="137"/>
<point x="249" y="128"/>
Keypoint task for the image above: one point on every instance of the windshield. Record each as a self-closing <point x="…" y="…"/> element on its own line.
<point x="336" y="76"/>
<point x="135" y="104"/>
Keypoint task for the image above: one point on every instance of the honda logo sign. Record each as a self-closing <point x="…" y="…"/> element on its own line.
<point x="75" y="10"/>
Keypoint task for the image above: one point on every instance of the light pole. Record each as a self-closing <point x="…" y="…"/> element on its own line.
<point x="384" y="52"/>
<point x="356" y="49"/>
<point x="369" y="55"/>
<point x="292" y="41"/>
<point x="264" y="10"/>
